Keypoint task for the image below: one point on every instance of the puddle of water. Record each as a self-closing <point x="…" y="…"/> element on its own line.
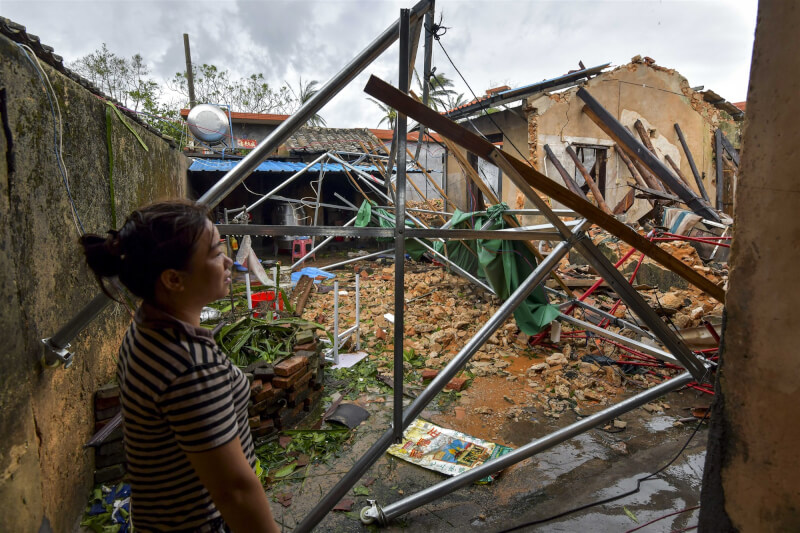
<point x="659" y="423"/>
<point x="568" y="456"/>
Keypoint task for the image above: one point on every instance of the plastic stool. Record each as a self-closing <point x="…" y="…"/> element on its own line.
<point x="301" y="247"/>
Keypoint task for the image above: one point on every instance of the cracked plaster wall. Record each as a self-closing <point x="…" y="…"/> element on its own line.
<point x="658" y="96"/>
<point x="752" y="466"/>
<point x="46" y="415"/>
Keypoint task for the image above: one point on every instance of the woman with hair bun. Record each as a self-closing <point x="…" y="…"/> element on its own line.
<point x="188" y="446"/>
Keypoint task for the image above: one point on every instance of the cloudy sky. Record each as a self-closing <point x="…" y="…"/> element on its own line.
<point x="492" y="42"/>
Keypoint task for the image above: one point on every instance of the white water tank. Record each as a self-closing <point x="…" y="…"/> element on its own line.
<point x="208" y="123"/>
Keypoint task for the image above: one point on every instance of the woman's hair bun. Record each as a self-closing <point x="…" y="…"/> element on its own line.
<point x="103" y="254"/>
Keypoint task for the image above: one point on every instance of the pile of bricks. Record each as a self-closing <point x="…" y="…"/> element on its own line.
<point x="281" y="395"/>
<point x="109" y="456"/>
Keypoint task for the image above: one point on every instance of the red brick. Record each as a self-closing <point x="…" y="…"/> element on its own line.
<point x="456" y="384"/>
<point x="253" y="421"/>
<point x="255" y="386"/>
<point x="290" y="366"/>
<point x="310" y="346"/>
<point x="290" y="381"/>
<point x="429" y="374"/>
<point x="266" y="393"/>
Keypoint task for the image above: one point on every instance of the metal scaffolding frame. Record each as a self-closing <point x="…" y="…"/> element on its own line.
<point x="571" y="236"/>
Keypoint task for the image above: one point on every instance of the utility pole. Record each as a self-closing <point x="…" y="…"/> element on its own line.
<point x="189" y="71"/>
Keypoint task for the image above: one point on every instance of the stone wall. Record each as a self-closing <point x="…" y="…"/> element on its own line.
<point x="46" y="414"/>
<point x="752" y="467"/>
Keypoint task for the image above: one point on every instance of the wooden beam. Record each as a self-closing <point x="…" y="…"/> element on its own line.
<point x="697" y="178"/>
<point x="677" y="169"/>
<point x="625" y="203"/>
<point x="571" y="185"/>
<point x="720" y="175"/>
<point x="645" y="136"/>
<point x="726" y="144"/>
<point x="387" y="94"/>
<point x="637" y="151"/>
<point x="598" y="196"/>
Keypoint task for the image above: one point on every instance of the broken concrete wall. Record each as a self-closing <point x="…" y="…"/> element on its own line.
<point x="657" y="96"/>
<point x="752" y="467"/>
<point x="46" y="414"/>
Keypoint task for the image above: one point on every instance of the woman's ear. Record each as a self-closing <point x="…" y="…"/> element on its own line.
<point x="172" y="280"/>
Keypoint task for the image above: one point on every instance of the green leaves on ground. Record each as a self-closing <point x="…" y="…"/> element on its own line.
<point x="250" y="339"/>
<point x="318" y="445"/>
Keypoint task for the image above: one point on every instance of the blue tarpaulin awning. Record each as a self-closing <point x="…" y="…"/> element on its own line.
<point x="288" y="167"/>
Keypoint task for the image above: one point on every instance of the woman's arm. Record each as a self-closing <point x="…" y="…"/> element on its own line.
<point x="235" y="488"/>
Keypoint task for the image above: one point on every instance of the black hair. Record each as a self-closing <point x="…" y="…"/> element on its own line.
<point x="153" y="239"/>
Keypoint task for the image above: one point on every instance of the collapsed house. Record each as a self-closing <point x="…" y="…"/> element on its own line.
<point x="545" y="124"/>
<point x="549" y="200"/>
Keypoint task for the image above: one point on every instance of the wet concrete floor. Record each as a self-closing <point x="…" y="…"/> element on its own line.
<point x="591" y="467"/>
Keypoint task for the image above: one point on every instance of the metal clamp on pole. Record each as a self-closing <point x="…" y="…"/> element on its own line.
<point x="55" y="347"/>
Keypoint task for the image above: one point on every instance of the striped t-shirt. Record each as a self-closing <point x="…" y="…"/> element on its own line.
<point x="179" y="393"/>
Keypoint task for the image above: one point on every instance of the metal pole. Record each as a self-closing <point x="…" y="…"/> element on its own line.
<point x="399" y="238"/>
<point x="57" y="345"/>
<point x="286" y="182"/>
<point x="358" y="311"/>
<point x="438" y="383"/>
<point x="532" y="448"/>
<point x="236" y="175"/>
<point x="426" y="70"/>
<point x="360" y="258"/>
<point x="336" y="322"/>
<point x="455" y="267"/>
<point x="320" y="245"/>
<point x="189" y="70"/>
<point x="700" y="186"/>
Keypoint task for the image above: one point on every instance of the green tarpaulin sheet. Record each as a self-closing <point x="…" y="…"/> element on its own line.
<point x="503" y="264"/>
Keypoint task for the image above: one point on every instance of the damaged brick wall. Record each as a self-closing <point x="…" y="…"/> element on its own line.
<point x="47" y="414"/>
<point x="659" y="97"/>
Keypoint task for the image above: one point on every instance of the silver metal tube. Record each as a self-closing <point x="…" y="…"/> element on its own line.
<point x="360" y="173"/>
<point x="532" y="448"/>
<point x="437" y="384"/>
<point x="399" y="238"/>
<point x="358" y="311"/>
<point x="642" y="347"/>
<point x="68" y="331"/>
<point x="336" y="322"/>
<point x="359" y="258"/>
<point x="283" y="184"/>
<point x="320" y="245"/>
<point x="460" y="271"/>
<point x="243" y="169"/>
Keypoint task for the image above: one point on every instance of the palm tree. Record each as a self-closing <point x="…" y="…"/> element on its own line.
<point x="441" y="95"/>
<point x="389" y="114"/>
<point x="304" y="93"/>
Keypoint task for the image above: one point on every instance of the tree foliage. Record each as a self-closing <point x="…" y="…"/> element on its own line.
<point x="251" y="94"/>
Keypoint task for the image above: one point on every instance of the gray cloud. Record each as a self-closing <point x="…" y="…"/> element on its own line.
<point x="491" y="42"/>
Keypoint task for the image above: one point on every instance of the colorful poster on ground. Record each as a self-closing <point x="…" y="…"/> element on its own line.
<point x="445" y="450"/>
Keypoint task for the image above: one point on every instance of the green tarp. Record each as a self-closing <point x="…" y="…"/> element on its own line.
<point x="504" y="265"/>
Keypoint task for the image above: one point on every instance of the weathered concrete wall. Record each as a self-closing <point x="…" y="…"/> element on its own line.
<point x="659" y="97"/>
<point x="46" y="414"/>
<point x="753" y="467"/>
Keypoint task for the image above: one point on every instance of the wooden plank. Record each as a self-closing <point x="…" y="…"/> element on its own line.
<point x="598" y="196"/>
<point x="625" y="203"/>
<point x="726" y="144"/>
<point x="571" y="185"/>
<point x="644" y="135"/>
<point x="638" y="152"/>
<point x="387" y="94"/>
<point x="677" y="170"/>
<point x="697" y="178"/>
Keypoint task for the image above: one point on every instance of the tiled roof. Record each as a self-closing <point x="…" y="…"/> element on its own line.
<point x="741" y="105"/>
<point x="313" y="140"/>
<point x="286" y="167"/>
<point x="386" y="135"/>
<point x="46" y="54"/>
<point x="248" y="117"/>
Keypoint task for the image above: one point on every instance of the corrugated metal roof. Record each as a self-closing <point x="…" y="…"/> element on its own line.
<point x="288" y="167"/>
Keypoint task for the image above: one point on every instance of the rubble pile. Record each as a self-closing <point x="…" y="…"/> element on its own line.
<point x="513" y="375"/>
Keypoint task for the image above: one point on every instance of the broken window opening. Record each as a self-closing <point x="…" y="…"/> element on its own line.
<point x="593" y="158"/>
